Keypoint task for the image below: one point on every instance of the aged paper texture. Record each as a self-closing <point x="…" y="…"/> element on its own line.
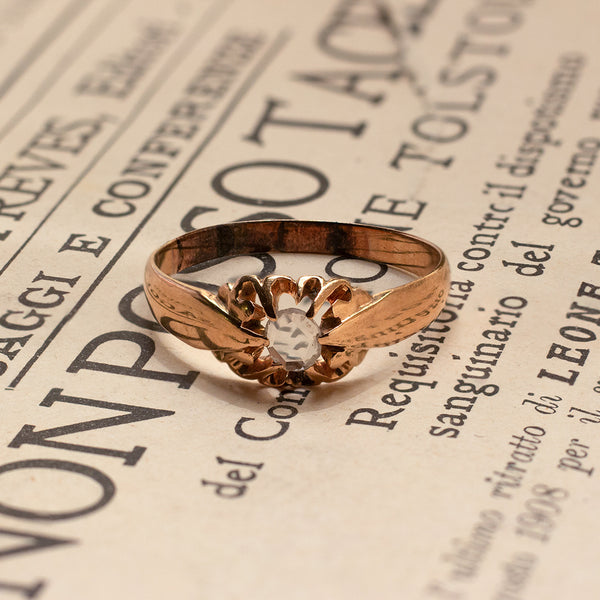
<point x="460" y="464"/>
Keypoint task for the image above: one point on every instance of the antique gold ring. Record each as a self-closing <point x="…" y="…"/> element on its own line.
<point x="331" y="324"/>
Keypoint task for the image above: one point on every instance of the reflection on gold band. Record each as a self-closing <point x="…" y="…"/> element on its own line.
<point x="232" y="323"/>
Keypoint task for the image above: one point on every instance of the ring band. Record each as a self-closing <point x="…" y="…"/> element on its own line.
<point x="243" y="325"/>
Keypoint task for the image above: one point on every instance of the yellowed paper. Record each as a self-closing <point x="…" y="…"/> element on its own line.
<point x="461" y="464"/>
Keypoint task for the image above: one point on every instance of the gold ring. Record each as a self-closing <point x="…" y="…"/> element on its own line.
<point x="242" y="324"/>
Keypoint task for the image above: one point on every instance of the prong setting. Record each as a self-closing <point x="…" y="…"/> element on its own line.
<point x="295" y="356"/>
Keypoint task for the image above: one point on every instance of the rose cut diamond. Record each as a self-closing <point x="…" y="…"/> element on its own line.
<point x="293" y="339"/>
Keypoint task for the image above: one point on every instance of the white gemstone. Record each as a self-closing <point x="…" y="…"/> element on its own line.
<point x="293" y="339"/>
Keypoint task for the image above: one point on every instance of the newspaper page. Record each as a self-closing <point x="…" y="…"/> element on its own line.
<point x="462" y="463"/>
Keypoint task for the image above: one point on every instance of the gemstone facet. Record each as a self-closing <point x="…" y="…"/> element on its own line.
<point x="293" y="339"/>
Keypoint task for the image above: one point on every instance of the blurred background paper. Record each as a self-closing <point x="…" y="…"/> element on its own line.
<point x="461" y="464"/>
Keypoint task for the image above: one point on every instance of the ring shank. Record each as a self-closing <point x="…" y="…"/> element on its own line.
<point x="201" y="318"/>
<point x="395" y="249"/>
